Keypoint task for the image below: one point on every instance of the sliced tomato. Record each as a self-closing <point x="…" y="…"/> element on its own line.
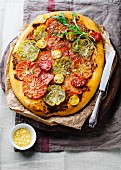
<point x="45" y="55"/>
<point x="55" y="95"/>
<point x="22" y="69"/>
<point x="78" y="82"/>
<point x="46" y="77"/>
<point x="33" y="87"/>
<point x="49" y="22"/>
<point x="59" y="78"/>
<point x="69" y="87"/>
<point x="35" y="69"/>
<point x="74" y="100"/>
<point x="73" y="55"/>
<point x="82" y="67"/>
<point x="82" y="26"/>
<point x="96" y="35"/>
<point x="45" y="65"/>
<point x="28" y="50"/>
<point x="62" y="66"/>
<point x="61" y="44"/>
<point x="52" y="40"/>
<point x="65" y="50"/>
<point x="26" y="67"/>
<point x="68" y="52"/>
<point x="55" y="26"/>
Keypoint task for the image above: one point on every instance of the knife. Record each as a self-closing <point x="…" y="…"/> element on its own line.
<point x="103" y="83"/>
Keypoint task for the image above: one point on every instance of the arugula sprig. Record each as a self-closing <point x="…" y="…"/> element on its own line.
<point x="76" y="47"/>
<point x="74" y="28"/>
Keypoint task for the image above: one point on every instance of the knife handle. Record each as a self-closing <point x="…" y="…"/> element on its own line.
<point x="94" y="115"/>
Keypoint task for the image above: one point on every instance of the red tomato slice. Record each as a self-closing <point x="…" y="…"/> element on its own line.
<point x="82" y="67"/>
<point x="61" y="44"/>
<point x="46" y="77"/>
<point x="45" y="55"/>
<point x="72" y="55"/>
<point x="45" y="65"/>
<point x="65" y="50"/>
<point x="22" y="69"/>
<point x="26" y="67"/>
<point x="35" y="69"/>
<point x="68" y="52"/>
<point x="55" y="26"/>
<point x="78" y="82"/>
<point x="49" y="21"/>
<point x="33" y="87"/>
<point x="68" y="86"/>
<point x="97" y="36"/>
<point x="82" y="26"/>
<point x="52" y="40"/>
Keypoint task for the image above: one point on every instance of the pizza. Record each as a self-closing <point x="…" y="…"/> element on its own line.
<point x="56" y="64"/>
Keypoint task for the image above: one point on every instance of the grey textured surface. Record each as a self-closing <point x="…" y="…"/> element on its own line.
<point x="11" y="14"/>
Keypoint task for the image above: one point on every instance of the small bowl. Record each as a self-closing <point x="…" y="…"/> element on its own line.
<point x="26" y="126"/>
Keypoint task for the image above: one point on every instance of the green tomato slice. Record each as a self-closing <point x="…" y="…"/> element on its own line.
<point x="62" y="66"/>
<point x="55" y="95"/>
<point x="28" y="50"/>
<point x="84" y="47"/>
<point x="40" y="33"/>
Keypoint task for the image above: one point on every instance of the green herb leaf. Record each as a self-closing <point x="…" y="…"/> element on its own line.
<point x="74" y="20"/>
<point x="62" y="19"/>
<point x="76" y="42"/>
<point x="73" y="28"/>
<point x="60" y="35"/>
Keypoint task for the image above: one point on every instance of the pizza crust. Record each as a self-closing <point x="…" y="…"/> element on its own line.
<point x="38" y="107"/>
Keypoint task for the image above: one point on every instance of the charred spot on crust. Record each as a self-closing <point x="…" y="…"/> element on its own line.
<point x="36" y="25"/>
<point x="57" y="108"/>
<point x="15" y="60"/>
<point x="62" y="107"/>
<point x="16" y="77"/>
<point x="77" y="17"/>
<point x="88" y="89"/>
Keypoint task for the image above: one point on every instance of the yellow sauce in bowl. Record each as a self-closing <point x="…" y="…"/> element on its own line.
<point x="22" y="137"/>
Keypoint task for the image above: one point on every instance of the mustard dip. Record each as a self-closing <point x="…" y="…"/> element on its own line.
<point x="22" y="137"/>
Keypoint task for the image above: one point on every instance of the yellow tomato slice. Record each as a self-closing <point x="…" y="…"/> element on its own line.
<point x="59" y="78"/>
<point x="74" y="100"/>
<point x="41" y="43"/>
<point x="56" y="54"/>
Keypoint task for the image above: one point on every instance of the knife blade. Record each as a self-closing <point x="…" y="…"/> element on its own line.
<point x="103" y="84"/>
<point x="106" y="71"/>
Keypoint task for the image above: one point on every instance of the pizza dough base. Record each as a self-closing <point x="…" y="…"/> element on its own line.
<point x="38" y="107"/>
